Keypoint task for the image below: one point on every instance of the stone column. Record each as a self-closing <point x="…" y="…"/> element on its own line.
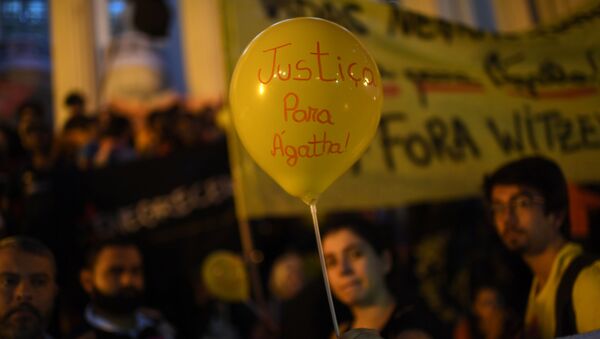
<point x="458" y="11"/>
<point x="513" y="16"/>
<point x="72" y="53"/>
<point x="203" y="54"/>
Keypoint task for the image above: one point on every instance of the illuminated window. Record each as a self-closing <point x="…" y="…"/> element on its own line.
<point x="116" y="9"/>
<point x="24" y="54"/>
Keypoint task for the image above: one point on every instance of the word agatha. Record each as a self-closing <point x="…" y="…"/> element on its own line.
<point x="302" y="71"/>
<point x="313" y="148"/>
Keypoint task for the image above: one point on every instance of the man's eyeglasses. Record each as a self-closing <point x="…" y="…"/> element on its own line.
<point x="519" y="205"/>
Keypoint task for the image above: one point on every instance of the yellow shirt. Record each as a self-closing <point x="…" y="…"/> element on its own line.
<point x="539" y="318"/>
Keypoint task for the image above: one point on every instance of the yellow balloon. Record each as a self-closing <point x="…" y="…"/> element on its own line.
<point x="306" y="100"/>
<point x="225" y="276"/>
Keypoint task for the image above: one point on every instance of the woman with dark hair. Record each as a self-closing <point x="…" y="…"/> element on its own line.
<point x="359" y="262"/>
<point x="490" y="316"/>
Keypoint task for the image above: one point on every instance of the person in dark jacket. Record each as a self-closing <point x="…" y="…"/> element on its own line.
<point x="114" y="280"/>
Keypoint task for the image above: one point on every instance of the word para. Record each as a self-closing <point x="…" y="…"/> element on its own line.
<point x="311" y="114"/>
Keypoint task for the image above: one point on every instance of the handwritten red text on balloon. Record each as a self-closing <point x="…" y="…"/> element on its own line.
<point x="310" y="114"/>
<point x="315" y="147"/>
<point x="302" y="71"/>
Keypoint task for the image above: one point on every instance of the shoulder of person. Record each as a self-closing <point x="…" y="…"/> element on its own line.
<point x="343" y="327"/>
<point x="361" y="333"/>
<point x="413" y="334"/>
<point x="413" y="320"/>
<point x="82" y="331"/>
<point x="585" y="295"/>
<point x="151" y="314"/>
<point x="586" y="287"/>
<point x="589" y="278"/>
<point x="160" y="323"/>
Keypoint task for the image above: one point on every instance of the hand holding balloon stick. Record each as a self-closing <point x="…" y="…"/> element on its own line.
<point x="306" y="100"/>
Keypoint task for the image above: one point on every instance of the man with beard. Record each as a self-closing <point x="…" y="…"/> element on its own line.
<point x="528" y="201"/>
<point x="28" y="288"/>
<point x="113" y="278"/>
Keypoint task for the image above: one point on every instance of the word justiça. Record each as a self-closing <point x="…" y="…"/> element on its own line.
<point x="303" y="71"/>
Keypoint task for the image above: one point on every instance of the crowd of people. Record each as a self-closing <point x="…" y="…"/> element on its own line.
<point x="114" y="135"/>
<point x="526" y="201"/>
<point x="34" y="155"/>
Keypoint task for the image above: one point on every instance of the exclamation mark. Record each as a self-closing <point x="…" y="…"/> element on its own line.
<point x="347" y="140"/>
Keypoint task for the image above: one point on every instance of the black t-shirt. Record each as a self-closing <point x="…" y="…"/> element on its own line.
<point x="408" y="317"/>
<point x="149" y="331"/>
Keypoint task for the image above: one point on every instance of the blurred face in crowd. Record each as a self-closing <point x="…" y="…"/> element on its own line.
<point x="287" y="276"/>
<point x="356" y="272"/>
<point x="115" y="283"/>
<point x="76" y="108"/>
<point x="487" y="303"/>
<point x="27" y="292"/>
<point x="35" y="135"/>
<point x="489" y="310"/>
<point x="520" y="219"/>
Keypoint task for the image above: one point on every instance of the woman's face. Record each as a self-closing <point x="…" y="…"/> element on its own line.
<point x="487" y="303"/>
<point x="356" y="272"/>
